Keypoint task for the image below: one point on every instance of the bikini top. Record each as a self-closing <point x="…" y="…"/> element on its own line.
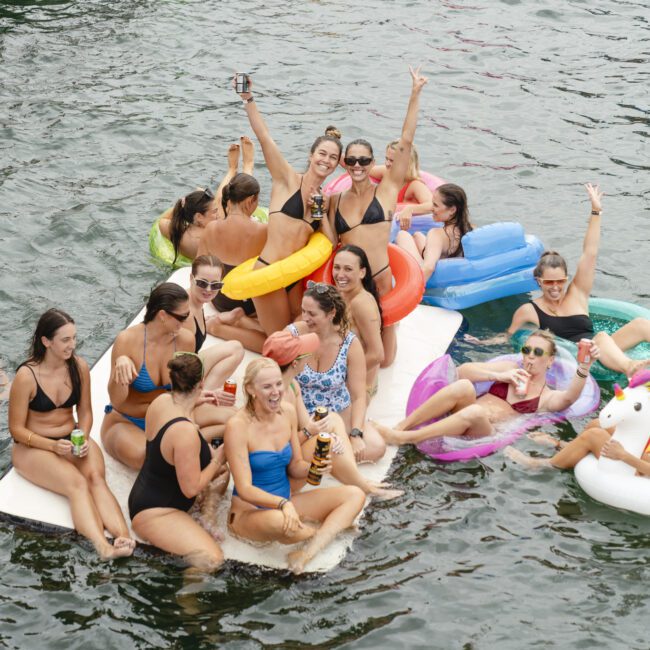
<point x="269" y="470"/>
<point x="143" y="382"/>
<point x="573" y="328"/>
<point x="294" y="207"/>
<point x="43" y="404"/>
<point x="402" y="192"/>
<point x="374" y="214"/>
<point x="199" y="335"/>
<point x="500" y="389"/>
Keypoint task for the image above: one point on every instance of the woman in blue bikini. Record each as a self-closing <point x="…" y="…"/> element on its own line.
<point x="263" y="450"/>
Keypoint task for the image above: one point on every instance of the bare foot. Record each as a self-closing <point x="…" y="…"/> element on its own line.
<point x="527" y="461"/>
<point x="121" y="547"/>
<point x="381" y="494"/>
<point x="248" y="154"/>
<point x="379" y="484"/>
<point x="636" y="365"/>
<point x="542" y="438"/>
<point x="233" y="157"/>
<point x="297" y="561"/>
<point x="391" y="436"/>
<point x="231" y="317"/>
<point x="5" y="385"/>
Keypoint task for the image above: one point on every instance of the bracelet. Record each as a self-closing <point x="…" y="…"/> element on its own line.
<point x="282" y="503"/>
<point x="582" y="375"/>
<point x="596" y="213"/>
<point x="29" y="438"/>
<point x="356" y="433"/>
<point x="307" y="434"/>
<point x="248" y="101"/>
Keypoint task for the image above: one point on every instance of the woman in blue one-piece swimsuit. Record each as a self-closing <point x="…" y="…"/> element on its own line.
<point x="262" y="450"/>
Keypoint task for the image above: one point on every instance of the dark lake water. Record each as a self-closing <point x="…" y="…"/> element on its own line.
<point x="111" y="110"/>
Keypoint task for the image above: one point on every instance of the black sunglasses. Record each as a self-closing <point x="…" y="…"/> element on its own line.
<point x="351" y="161"/>
<point x="181" y="318"/>
<point x="210" y="286"/>
<point x="207" y="192"/>
<point x="318" y="287"/>
<point x="538" y="352"/>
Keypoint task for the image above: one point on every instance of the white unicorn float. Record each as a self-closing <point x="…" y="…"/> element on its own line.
<point x="614" y="482"/>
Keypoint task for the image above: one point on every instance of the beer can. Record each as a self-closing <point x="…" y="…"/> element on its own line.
<point x="230" y="386"/>
<point x="77" y="438"/>
<point x="583" y="350"/>
<point x="521" y="387"/>
<point x="320" y="413"/>
<point x="323" y="444"/>
<point x="241" y="82"/>
<point x="317" y="206"/>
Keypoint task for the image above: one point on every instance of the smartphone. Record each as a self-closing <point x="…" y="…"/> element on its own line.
<point x="241" y="82"/>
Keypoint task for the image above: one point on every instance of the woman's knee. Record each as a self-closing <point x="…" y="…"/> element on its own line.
<point x="463" y="389"/>
<point x="472" y="415"/>
<point x="354" y="495"/>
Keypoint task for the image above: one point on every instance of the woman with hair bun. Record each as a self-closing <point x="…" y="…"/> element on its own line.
<point x="335" y="375"/>
<point x="47" y="386"/>
<point x="449" y="206"/>
<point x="290" y="219"/>
<point x="179" y="464"/>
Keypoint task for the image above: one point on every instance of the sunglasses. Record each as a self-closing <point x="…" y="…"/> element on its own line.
<point x="303" y="356"/>
<point x="189" y="354"/>
<point x="318" y="287"/>
<point x="181" y="318"/>
<point x="207" y="192"/>
<point x="210" y="286"/>
<point x="351" y="161"/>
<point x="548" y="283"/>
<point x="538" y="352"/>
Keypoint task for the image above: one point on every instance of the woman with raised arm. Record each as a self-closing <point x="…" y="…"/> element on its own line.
<point x="353" y="279"/>
<point x="563" y="307"/>
<point x="363" y="214"/>
<point x="179" y="464"/>
<point x="290" y="221"/>
<point x="462" y="413"/>
<point x="263" y="451"/>
<point x="449" y="206"/>
<point x="47" y="386"/>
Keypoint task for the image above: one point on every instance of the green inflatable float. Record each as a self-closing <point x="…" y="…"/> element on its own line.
<point x="607" y="316"/>
<point x="161" y="248"/>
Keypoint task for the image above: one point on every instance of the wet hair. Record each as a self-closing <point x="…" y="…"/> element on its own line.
<point x="453" y="196"/>
<point x="185" y="372"/>
<point x="48" y="325"/>
<point x="241" y="187"/>
<point x="363" y="143"/>
<point x="183" y="216"/>
<point x="413" y="170"/>
<point x="548" y="336"/>
<point x="206" y="260"/>
<point x="252" y="370"/>
<point x="332" y="134"/>
<point x="549" y="260"/>
<point x="367" y="281"/>
<point x="165" y="297"/>
<point x="328" y="298"/>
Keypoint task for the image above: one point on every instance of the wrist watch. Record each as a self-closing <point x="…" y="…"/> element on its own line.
<point x="356" y="433"/>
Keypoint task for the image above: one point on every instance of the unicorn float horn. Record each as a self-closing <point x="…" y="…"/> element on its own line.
<point x="618" y="392"/>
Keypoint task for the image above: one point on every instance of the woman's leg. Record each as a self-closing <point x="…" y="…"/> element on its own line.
<point x="405" y="240"/>
<point x="176" y="532"/>
<point x="273" y="311"/>
<point x="612" y="347"/>
<point x="212" y="419"/>
<point x="384" y="282"/>
<point x="430" y="254"/>
<point x="336" y="508"/>
<point x="375" y="444"/>
<point x="233" y="167"/>
<point x="251" y="338"/>
<point x="220" y="361"/>
<point x="123" y="440"/>
<point x="59" y="475"/>
<point x="248" y="155"/>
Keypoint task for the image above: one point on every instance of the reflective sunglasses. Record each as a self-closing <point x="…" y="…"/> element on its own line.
<point x="538" y="352"/>
<point x="548" y="283"/>
<point x="351" y="161"/>
<point x="210" y="286"/>
<point x="318" y="287"/>
<point x="181" y="318"/>
<point x="182" y="353"/>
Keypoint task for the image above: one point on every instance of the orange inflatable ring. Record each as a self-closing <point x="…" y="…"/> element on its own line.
<point x="405" y="295"/>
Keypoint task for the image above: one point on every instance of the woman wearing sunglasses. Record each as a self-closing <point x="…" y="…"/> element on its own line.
<point x="139" y="370"/>
<point x="47" y="386"/>
<point x="290" y="219"/>
<point x="235" y="239"/>
<point x="335" y="375"/>
<point x="563" y="307"/>
<point x="263" y="452"/>
<point x="517" y="388"/>
<point x="179" y="464"/>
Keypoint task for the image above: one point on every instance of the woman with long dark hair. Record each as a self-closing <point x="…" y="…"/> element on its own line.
<point x="47" y="386"/>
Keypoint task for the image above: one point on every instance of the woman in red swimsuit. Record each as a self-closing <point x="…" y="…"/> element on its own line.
<point x="463" y="413"/>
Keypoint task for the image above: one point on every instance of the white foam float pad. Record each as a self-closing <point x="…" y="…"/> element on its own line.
<point x="422" y="336"/>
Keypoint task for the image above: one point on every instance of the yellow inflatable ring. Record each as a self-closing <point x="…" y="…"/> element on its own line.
<point x="245" y="282"/>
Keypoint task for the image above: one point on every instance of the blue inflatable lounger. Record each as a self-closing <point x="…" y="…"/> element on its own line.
<point x="499" y="261"/>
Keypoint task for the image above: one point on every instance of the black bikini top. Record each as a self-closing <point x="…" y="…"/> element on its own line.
<point x="374" y="214"/>
<point x="43" y="404"/>
<point x="294" y="207"/>
<point x="199" y="335"/>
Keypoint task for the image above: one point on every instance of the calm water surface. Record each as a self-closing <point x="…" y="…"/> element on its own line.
<point x="110" y="111"/>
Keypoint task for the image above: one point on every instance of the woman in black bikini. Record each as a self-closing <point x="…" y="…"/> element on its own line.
<point x="462" y="413"/>
<point x="363" y="214"/>
<point x="565" y="310"/>
<point x="179" y="464"/>
<point x="45" y="389"/>
<point x="290" y="221"/>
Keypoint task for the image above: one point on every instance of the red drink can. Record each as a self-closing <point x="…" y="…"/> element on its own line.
<point x="230" y="387"/>
<point x="583" y="350"/>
